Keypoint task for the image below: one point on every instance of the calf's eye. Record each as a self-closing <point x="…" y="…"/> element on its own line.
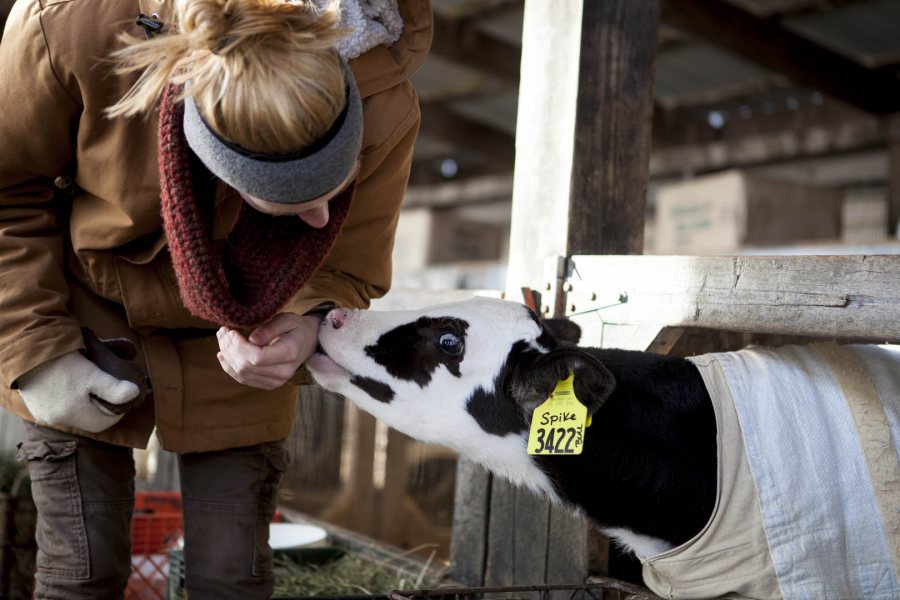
<point x="450" y="344"/>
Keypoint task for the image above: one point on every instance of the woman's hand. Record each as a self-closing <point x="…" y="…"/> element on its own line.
<point x="273" y="353"/>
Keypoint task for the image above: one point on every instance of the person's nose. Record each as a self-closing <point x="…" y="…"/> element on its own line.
<point x="315" y="217"/>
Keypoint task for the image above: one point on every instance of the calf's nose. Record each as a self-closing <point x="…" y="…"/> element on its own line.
<point x="337" y="317"/>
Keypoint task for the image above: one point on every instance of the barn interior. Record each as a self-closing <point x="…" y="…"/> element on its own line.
<point x="782" y="108"/>
<point x="774" y="130"/>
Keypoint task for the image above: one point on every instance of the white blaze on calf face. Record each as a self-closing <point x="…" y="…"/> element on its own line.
<point x="432" y="373"/>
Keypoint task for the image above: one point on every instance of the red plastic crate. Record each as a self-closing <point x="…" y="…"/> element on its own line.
<point x="157" y="522"/>
<point x="155" y="528"/>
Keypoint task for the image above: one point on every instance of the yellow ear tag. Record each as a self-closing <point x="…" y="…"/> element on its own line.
<point x="557" y="425"/>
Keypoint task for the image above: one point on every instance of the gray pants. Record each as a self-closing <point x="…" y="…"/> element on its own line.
<point x="84" y="492"/>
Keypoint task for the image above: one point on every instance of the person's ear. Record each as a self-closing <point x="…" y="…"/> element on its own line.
<point x="593" y="383"/>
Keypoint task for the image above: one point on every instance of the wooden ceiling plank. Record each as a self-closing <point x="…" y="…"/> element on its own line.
<point x="441" y="122"/>
<point x="766" y="43"/>
<point x="462" y="9"/>
<point x="461" y="40"/>
<point x="476" y="148"/>
<point x="473" y="191"/>
<point x="767" y="8"/>
<point x="768" y="148"/>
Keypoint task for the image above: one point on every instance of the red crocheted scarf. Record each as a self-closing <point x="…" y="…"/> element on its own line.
<point x="265" y="260"/>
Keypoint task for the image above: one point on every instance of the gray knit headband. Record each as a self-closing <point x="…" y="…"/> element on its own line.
<point x="288" y="178"/>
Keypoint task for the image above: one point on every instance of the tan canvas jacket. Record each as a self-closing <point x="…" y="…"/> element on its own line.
<point x="99" y="258"/>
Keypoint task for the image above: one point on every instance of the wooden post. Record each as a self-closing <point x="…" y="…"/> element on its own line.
<point x="545" y="139"/>
<point x="582" y="158"/>
<point x="611" y="158"/>
<point x="391" y="510"/>
<point x="355" y="508"/>
<point x="894" y="180"/>
<point x="471" y="511"/>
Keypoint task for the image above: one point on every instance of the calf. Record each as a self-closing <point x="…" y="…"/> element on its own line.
<point x="663" y="468"/>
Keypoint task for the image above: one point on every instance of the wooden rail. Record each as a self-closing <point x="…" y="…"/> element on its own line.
<point x="839" y="296"/>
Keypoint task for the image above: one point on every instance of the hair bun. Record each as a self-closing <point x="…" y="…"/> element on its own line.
<point x="204" y="23"/>
<point x="244" y="50"/>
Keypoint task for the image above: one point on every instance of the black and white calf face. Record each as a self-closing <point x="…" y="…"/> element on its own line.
<point x="417" y="370"/>
<point x="465" y="375"/>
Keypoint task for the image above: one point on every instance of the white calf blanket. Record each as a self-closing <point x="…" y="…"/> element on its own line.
<point x="808" y="502"/>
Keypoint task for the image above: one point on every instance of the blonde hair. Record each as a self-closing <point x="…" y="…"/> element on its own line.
<point x="264" y="73"/>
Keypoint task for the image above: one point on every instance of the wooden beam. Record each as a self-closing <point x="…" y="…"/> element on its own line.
<point x="442" y="122"/>
<point x="665" y="340"/>
<point x="412" y="299"/>
<point x="426" y="172"/>
<point x="894" y="181"/>
<point x="613" y="121"/>
<point x="355" y="506"/>
<point x="461" y="40"/>
<point x="460" y="9"/>
<point x="500" y="550"/>
<point x="765" y="42"/>
<point x="807" y="137"/>
<point x="545" y="139"/>
<point x="775" y="110"/>
<point x="471" y="515"/>
<point x="5" y="8"/>
<point x="768" y="148"/>
<point x="834" y="296"/>
<point x="584" y="101"/>
<point x="478" y="149"/>
<point x="532" y="546"/>
<point x="443" y="80"/>
<point x="392" y="515"/>
<point x="567" y="553"/>
<point x="767" y="8"/>
<point x="476" y="190"/>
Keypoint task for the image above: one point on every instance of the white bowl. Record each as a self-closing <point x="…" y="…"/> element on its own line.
<point x="283" y="536"/>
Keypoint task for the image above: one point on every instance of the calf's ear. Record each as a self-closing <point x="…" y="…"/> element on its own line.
<point x="563" y="330"/>
<point x="593" y="382"/>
